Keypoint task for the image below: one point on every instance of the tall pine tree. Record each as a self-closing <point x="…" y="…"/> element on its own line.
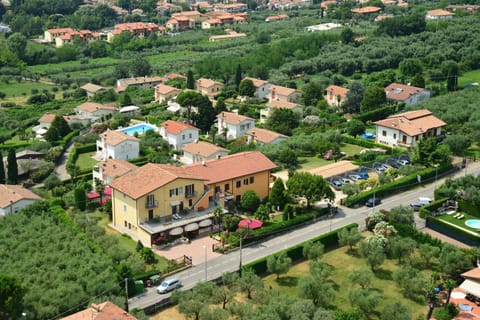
<point x="2" y="169"/>
<point x="12" y="167"/>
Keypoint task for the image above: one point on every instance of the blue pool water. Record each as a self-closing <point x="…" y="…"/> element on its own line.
<point x="473" y="223"/>
<point x="140" y="128"/>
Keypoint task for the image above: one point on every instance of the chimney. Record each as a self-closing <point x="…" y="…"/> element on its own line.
<point x="219" y="156"/>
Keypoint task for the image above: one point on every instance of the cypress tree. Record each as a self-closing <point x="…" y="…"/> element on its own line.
<point x="2" y="169"/>
<point x="80" y="198"/>
<point x="238" y="76"/>
<point x="12" y="167"/>
<point x="190" y="80"/>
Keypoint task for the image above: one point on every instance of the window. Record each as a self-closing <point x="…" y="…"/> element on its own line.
<point x="242" y="127"/>
<point x="189" y="190"/>
<point x="394" y="136"/>
<point x="125" y="223"/>
<point x="245" y="181"/>
<point x="190" y="202"/>
<point x="227" y="187"/>
<point x="124" y="208"/>
<point x="180" y="190"/>
<point x="252" y="179"/>
<point x="238" y="184"/>
<point x="248" y="126"/>
<point x="183" y="137"/>
<point x="150" y="198"/>
<point x="238" y="198"/>
<point x="384" y="133"/>
<point x="190" y="136"/>
<point x="217" y="189"/>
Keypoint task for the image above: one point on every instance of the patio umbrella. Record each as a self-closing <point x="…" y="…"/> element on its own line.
<point x="92" y="195"/>
<point x="250" y="223"/>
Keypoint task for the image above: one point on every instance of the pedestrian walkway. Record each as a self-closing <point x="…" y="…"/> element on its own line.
<point x="195" y="249"/>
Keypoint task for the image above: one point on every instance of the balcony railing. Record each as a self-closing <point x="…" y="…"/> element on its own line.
<point x="189" y="195"/>
<point x="151" y="204"/>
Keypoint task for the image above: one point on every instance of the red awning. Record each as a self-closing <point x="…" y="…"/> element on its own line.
<point x="92" y="195"/>
<point x="250" y="223"/>
<point x="107" y="191"/>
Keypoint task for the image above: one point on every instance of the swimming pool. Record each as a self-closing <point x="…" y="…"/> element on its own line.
<point x="140" y="128"/>
<point x="473" y="223"/>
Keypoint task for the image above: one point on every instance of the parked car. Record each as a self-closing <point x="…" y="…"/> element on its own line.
<point x="363" y="175"/>
<point x="345" y="181"/>
<point x="169" y="285"/>
<point x="373" y="202"/>
<point x="403" y="162"/>
<point x="422" y="201"/>
<point x="380" y="169"/>
<point x="355" y="177"/>
<point x="337" y="184"/>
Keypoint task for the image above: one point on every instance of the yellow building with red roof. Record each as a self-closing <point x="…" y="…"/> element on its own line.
<point x="161" y="201"/>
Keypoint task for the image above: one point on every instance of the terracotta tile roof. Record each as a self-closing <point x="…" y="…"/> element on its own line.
<point x="473" y="273"/>
<point x="283" y="91"/>
<point x="14" y="193"/>
<point x="264" y="135"/>
<point x="47" y="118"/>
<point x="326" y="4"/>
<point x="412" y="123"/>
<point x="165" y="89"/>
<point x="193" y="13"/>
<point x="207" y="83"/>
<point x="233" y="118"/>
<point x="202" y="148"/>
<point x="277" y="17"/>
<point x="92" y="87"/>
<point x="60" y="30"/>
<point x="139" y="80"/>
<point x="401" y="92"/>
<point x="115" y="168"/>
<point x="103" y="311"/>
<point x="277" y="104"/>
<point x="256" y="82"/>
<point x="92" y="106"/>
<point x="439" y="12"/>
<point x="149" y="178"/>
<point x="364" y="10"/>
<point x="175" y="127"/>
<point x="113" y="137"/>
<point x="171" y="76"/>
<point x="337" y="91"/>
<point x="231" y="167"/>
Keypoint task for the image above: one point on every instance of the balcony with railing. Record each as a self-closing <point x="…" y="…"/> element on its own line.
<point x="189" y="195"/>
<point x="151" y="204"/>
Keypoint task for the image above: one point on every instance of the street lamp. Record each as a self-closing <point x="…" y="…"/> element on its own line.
<point x="436" y="176"/>
<point x="373" y="205"/>
<point x="205" y="248"/>
<point x="24" y="315"/>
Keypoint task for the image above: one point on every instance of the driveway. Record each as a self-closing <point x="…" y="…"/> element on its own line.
<point x="60" y="167"/>
<point x="196" y="249"/>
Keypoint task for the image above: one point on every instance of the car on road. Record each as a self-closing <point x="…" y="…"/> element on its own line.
<point x="422" y="201"/>
<point x="169" y="285"/>
<point x="373" y="202"/>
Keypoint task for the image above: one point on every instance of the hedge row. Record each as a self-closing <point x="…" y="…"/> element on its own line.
<point x="84" y="148"/>
<point x="469" y="208"/>
<point x="377" y="114"/>
<point x="365" y="143"/>
<point x="396" y="186"/>
<point x="140" y="161"/>
<point x="329" y="240"/>
<point x="16" y="146"/>
<point x="453" y="231"/>
<point x="434" y="205"/>
<point x="65" y="142"/>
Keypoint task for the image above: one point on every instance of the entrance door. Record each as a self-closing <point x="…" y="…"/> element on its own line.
<point x="174" y="209"/>
<point x="404" y="139"/>
<point x="150" y="214"/>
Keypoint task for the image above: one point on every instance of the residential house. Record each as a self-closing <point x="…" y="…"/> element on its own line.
<point x="323" y="27"/>
<point x="82" y="120"/>
<point x="335" y="95"/>
<point x="51" y="34"/>
<point x="219" y="18"/>
<point x="84" y="36"/>
<point x="230" y="8"/>
<point x="180" y="23"/>
<point x="407" y="94"/>
<point x="439" y="14"/>
<point x="199" y="151"/>
<point x="382" y="17"/>
<point x="95" y="110"/>
<point x="178" y="134"/>
<point x="262" y="136"/>
<point x="164" y="7"/>
<point x="103" y="311"/>
<point x="44" y="124"/>
<point x="202" y="5"/>
<point x="138" y="82"/>
<point x="278" y="104"/>
<point x="164" y="92"/>
<point x="137" y="29"/>
<point x="470" y="8"/>
<point x="279" y="93"/>
<point x="130" y="110"/>
<point x="27" y="162"/>
<point x="288" y="4"/>
<point x="262" y="87"/>
<point x="117" y="145"/>
<point x="14" y="198"/>
<point x="209" y="87"/>
<point x="229" y="36"/>
<point x="366" y="10"/>
<point x="233" y="125"/>
<point x="106" y="171"/>
<point x="406" y="129"/>
<point x="92" y="89"/>
<point x="148" y="201"/>
<point x="278" y="17"/>
<point x="196" y="16"/>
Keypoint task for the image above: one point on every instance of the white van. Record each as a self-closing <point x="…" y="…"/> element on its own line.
<point x="422" y="201"/>
<point x="169" y="285"/>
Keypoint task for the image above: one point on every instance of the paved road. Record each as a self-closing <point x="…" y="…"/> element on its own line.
<point x="230" y="262"/>
<point x="60" y="167"/>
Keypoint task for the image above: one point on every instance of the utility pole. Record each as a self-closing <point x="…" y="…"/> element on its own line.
<point x="126" y="292"/>
<point x="240" y="268"/>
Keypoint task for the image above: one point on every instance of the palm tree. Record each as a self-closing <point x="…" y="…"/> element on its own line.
<point x="449" y="284"/>
<point x="217" y="214"/>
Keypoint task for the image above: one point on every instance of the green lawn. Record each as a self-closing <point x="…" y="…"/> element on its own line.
<point x="343" y="263"/>
<point x="460" y="223"/>
<point x="125" y="242"/>
<point x="86" y="161"/>
<point x="351" y="149"/>
<point x="307" y="163"/>
<point x="24" y="89"/>
<point x="469" y="77"/>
